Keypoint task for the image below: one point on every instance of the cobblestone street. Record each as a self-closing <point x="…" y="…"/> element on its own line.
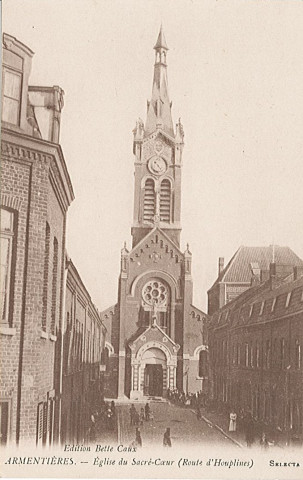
<point x="185" y="428"/>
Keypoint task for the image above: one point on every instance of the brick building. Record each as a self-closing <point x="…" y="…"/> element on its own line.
<point x="156" y="337"/>
<point x="247" y="265"/>
<point x="36" y="192"/>
<point x="83" y="345"/>
<point x="255" y="344"/>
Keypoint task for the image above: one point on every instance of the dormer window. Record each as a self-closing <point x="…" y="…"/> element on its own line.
<point x="288" y="300"/>
<point x="12" y="81"/>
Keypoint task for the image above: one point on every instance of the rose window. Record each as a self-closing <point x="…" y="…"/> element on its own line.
<point x="155" y="293"/>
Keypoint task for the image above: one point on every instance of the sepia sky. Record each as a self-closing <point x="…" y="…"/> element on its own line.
<point x="235" y="73"/>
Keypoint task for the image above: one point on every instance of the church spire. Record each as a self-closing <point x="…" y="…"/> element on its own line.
<point x="159" y="108"/>
<point x="161" y="42"/>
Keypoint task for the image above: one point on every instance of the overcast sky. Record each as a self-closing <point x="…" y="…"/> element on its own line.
<point x="235" y="73"/>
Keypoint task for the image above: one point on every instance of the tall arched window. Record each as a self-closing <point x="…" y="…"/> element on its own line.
<point x="165" y="201"/>
<point x="149" y="201"/>
<point x="7" y="247"/>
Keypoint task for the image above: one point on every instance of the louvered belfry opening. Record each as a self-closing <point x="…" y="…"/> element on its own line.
<point x="149" y="200"/>
<point x="165" y="196"/>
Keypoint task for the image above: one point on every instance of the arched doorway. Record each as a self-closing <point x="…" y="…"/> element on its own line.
<point x="153" y="366"/>
<point x="154" y="363"/>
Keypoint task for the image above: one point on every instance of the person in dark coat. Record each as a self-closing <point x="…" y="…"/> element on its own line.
<point x="132" y="412"/>
<point x="198" y="412"/>
<point x="136" y="419"/>
<point x="166" y="438"/>
<point x="147" y="411"/>
<point x="249" y="430"/>
<point x="138" y="439"/>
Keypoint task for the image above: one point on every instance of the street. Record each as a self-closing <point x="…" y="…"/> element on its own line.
<point x="184" y="427"/>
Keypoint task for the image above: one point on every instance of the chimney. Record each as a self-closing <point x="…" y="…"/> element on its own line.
<point x="298" y="272"/>
<point x="272" y="275"/>
<point x="264" y="275"/>
<point x="221" y="265"/>
<point x="272" y="269"/>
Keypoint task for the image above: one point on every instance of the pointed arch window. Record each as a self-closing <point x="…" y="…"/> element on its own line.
<point x="149" y="202"/>
<point x="165" y="201"/>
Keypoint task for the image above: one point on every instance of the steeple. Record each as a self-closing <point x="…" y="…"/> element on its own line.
<point x="159" y="108"/>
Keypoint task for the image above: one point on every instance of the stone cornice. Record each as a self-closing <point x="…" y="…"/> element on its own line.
<point x="24" y="148"/>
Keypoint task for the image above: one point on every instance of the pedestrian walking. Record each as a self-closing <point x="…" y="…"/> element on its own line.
<point x="142" y="416"/>
<point x="232" y="422"/>
<point x="138" y="439"/>
<point x="198" y="412"/>
<point x="132" y="411"/>
<point x="92" y="429"/>
<point x="264" y="442"/>
<point x="249" y="430"/>
<point x="136" y="419"/>
<point x="147" y="412"/>
<point x="109" y="419"/>
<point x="166" y="438"/>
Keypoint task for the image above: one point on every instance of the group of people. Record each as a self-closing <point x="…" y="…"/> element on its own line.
<point x="138" y="439"/>
<point x="104" y="417"/>
<point x="138" y="418"/>
<point x="245" y="423"/>
<point x="186" y="399"/>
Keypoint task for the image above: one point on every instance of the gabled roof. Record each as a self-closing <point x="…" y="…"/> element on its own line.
<point x="160" y="231"/>
<point x="239" y="268"/>
<point x="152" y="328"/>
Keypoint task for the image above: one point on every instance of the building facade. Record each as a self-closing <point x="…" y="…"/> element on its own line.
<point x="82" y="370"/>
<point x="248" y="264"/>
<point x="36" y="192"/>
<point x="255" y="344"/>
<point x="155" y="334"/>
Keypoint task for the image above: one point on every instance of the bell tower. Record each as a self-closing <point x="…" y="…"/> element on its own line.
<point x="158" y="149"/>
<point x="154" y="327"/>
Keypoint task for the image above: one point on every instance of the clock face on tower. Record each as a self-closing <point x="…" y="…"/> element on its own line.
<point x="157" y="165"/>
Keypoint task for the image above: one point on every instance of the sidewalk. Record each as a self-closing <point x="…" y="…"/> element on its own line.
<point x="219" y="421"/>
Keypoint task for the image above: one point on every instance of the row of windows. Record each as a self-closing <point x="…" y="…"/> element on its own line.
<point x="82" y="345"/>
<point x="273" y="304"/>
<point x="250" y="355"/>
<point x="8" y="255"/>
<point x="263" y="404"/>
<point x="259" y="309"/>
<point x="150" y="201"/>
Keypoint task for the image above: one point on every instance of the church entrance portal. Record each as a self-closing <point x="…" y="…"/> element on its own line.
<point x="153" y="380"/>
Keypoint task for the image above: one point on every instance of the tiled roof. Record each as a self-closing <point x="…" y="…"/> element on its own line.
<point x="240" y="308"/>
<point x="239" y="268"/>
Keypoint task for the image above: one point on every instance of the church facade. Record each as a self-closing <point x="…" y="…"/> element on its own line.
<point x="157" y="338"/>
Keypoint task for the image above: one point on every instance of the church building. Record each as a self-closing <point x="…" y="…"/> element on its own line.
<point x="156" y="336"/>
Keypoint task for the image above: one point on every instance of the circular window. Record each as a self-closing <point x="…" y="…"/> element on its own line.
<point x="155" y="293"/>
